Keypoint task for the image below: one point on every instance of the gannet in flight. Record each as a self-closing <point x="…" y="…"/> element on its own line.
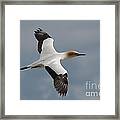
<point x="50" y="60"/>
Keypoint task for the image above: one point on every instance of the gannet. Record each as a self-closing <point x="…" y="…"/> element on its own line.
<point x="50" y="60"/>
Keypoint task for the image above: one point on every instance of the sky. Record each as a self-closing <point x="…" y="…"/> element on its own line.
<point x="84" y="72"/>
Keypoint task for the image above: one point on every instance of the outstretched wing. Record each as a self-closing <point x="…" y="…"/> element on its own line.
<point x="60" y="77"/>
<point x="45" y="42"/>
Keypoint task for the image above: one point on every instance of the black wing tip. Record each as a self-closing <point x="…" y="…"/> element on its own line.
<point x="24" y="68"/>
<point x="38" y="30"/>
<point x="61" y="84"/>
<point x="63" y="93"/>
<point x="61" y="88"/>
<point x="60" y="81"/>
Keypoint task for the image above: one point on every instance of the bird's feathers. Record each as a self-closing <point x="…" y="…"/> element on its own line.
<point x="60" y="81"/>
<point x="59" y="75"/>
<point x="45" y="44"/>
<point x="57" y="67"/>
<point x="47" y="49"/>
<point x="40" y="35"/>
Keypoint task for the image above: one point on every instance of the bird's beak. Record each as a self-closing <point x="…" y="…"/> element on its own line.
<point x="80" y="54"/>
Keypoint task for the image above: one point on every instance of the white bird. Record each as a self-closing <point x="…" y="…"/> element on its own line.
<point x="50" y="60"/>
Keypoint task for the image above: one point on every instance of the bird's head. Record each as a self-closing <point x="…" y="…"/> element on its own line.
<point x="41" y="35"/>
<point x="73" y="53"/>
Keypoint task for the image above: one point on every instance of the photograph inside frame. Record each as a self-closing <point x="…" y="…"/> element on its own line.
<point x="59" y="59"/>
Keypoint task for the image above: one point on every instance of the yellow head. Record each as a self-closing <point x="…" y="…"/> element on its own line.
<point x="72" y="53"/>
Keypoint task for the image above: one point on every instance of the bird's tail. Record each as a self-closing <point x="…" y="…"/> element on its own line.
<point x="25" y="68"/>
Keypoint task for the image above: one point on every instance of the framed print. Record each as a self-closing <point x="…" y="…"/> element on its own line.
<point x="59" y="59"/>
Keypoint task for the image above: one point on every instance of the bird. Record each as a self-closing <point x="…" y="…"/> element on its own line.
<point x="50" y="60"/>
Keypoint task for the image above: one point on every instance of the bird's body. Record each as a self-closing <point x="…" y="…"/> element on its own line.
<point x="50" y="60"/>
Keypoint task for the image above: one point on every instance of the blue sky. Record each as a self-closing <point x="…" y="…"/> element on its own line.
<point x="80" y="35"/>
